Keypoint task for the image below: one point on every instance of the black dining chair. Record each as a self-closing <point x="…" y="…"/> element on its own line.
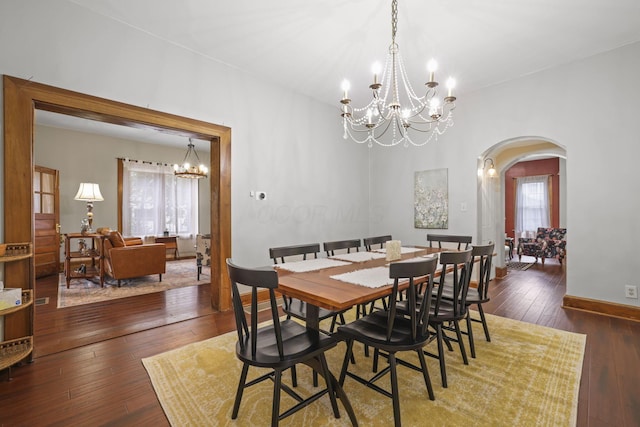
<point x="441" y="238"/>
<point x="390" y="332"/>
<point x="483" y="256"/>
<point x="277" y="346"/>
<point x="294" y="307"/>
<point x="446" y="313"/>
<point x="376" y="242"/>
<point x="331" y="247"/>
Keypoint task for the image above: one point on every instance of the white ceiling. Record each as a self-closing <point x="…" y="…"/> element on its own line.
<point x="311" y="46"/>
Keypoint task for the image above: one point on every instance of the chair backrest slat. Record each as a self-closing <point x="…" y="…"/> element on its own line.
<point x="484" y="254"/>
<point x="460" y="264"/>
<point x="412" y="271"/>
<point x="281" y="252"/>
<point x="441" y="238"/>
<point x="331" y="247"/>
<point x="369" y="242"/>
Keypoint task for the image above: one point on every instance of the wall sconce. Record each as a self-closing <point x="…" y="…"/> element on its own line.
<point x="492" y="169"/>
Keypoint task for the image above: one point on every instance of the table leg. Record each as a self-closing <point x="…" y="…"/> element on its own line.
<point x="313" y="317"/>
<point x="337" y="389"/>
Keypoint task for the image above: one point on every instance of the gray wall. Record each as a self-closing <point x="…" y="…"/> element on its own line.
<point x="590" y="108"/>
<point x="322" y="188"/>
<point x="86" y="157"/>
<point x="283" y="143"/>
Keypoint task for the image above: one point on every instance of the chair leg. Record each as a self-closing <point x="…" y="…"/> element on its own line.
<point x="345" y="363"/>
<point x="315" y="379"/>
<point x="443" y="369"/>
<point x="376" y="356"/>
<point x="243" y="379"/>
<point x="484" y="323"/>
<point x="394" y="389"/>
<point x="460" y="342"/>
<point x="425" y="374"/>
<point x="333" y="324"/>
<point x="275" y="410"/>
<point x="447" y="340"/>
<point x="327" y="378"/>
<point x="294" y="376"/>
<point x="470" y="335"/>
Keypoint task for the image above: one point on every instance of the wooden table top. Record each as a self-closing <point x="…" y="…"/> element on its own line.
<point x="318" y="288"/>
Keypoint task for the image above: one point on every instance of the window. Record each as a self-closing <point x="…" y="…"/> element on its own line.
<point x="532" y="205"/>
<point x="154" y="201"/>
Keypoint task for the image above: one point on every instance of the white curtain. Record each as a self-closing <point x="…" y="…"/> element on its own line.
<point x="155" y="201"/>
<point x="532" y="205"/>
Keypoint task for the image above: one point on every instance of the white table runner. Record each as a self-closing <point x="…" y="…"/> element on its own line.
<point x="358" y="256"/>
<point x="419" y="258"/>
<point x="403" y="250"/>
<point x="310" y="265"/>
<point x="370" y="277"/>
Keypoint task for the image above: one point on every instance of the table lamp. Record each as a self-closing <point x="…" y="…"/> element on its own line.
<point x="89" y="192"/>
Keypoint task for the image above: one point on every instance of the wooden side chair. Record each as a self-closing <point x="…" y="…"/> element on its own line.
<point x="441" y="238"/>
<point x="331" y="247"/>
<point x="390" y="332"/>
<point x="447" y="313"/>
<point x="483" y="255"/>
<point x="480" y="295"/>
<point x="278" y="346"/>
<point x="294" y="307"/>
<point x="372" y="242"/>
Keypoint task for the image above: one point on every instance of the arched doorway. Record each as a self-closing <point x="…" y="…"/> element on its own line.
<point x="491" y="190"/>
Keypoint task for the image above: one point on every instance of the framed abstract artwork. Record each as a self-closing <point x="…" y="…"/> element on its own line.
<point x="431" y="199"/>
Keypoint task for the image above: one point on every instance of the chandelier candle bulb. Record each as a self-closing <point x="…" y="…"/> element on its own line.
<point x="432" y="66"/>
<point x="451" y="83"/>
<point x="345" y="87"/>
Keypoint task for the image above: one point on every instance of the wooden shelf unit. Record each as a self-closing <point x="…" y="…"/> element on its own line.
<point x="16" y="350"/>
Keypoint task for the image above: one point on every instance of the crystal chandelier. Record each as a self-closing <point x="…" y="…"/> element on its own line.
<point x="390" y="119"/>
<point x="191" y="166"/>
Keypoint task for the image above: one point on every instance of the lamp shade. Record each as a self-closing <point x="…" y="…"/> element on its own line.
<point x="89" y="192"/>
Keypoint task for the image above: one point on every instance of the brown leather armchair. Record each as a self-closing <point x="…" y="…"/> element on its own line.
<point x="126" y="258"/>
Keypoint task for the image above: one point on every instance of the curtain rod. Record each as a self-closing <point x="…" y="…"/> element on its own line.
<point x="542" y="174"/>
<point x="144" y="162"/>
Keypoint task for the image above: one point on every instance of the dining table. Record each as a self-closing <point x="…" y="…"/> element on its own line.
<point x="321" y="288"/>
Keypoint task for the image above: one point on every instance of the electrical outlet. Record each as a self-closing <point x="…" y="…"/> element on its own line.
<point x="631" y="291"/>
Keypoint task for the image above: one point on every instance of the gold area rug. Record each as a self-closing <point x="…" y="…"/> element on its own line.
<point x="527" y="375"/>
<point x="178" y="274"/>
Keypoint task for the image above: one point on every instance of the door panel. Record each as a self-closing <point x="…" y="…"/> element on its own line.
<point x="46" y="219"/>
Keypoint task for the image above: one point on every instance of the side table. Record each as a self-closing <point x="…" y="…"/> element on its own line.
<point x="171" y="242"/>
<point x="93" y="256"/>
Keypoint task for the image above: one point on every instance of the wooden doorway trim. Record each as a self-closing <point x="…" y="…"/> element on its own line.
<point x="23" y="97"/>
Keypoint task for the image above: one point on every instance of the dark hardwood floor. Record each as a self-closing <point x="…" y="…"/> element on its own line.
<point x="92" y="374"/>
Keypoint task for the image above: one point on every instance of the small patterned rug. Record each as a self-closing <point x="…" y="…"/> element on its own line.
<point x="528" y="375"/>
<point x="178" y="274"/>
<point x="520" y="266"/>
